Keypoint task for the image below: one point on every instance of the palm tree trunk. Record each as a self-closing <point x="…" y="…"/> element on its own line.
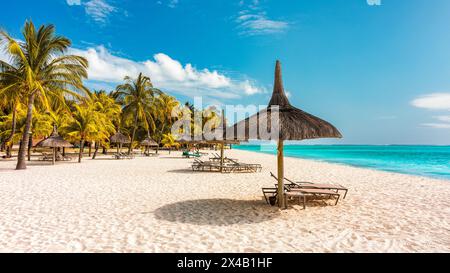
<point x="96" y="150"/>
<point x="30" y="145"/>
<point x="133" y="134"/>
<point x="11" y="135"/>
<point x="80" y="153"/>
<point x="21" y="164"/>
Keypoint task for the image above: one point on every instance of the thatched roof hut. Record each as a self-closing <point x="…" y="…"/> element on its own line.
<point x="292" y="124"/>
<point x="54" y="141"/>
<point x="120" y="138"/>
<point x="149" y="142"/>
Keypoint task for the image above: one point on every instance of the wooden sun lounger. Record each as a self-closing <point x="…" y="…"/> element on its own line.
<point x="292" y="189"/>
<point x="273" y="192"/>
<point x="246" y="167"/>
<point x="311" y="185"/>
<point x="202" y="166"/>
<point x="217" y="158"/>
<point x="123" y="156"/>
<point x="46" y="157"/>
<point x="60" y="157"/>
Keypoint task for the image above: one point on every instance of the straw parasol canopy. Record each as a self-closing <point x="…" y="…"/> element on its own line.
<point x="119" y="138"/>
<point x="292" y="124"/>
<point x="149" y="142"/>
<point x="54" y="141"/>
<point x="217" y="137"/>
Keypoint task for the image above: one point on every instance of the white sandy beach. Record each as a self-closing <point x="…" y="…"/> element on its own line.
<point x="159" y="205"/>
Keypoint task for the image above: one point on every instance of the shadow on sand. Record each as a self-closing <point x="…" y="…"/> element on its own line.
<point x="184" y="171"/>
<point x="217" y="212"/>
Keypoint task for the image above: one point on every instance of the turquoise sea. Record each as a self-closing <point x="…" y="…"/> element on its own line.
<point x="432" y="161"/>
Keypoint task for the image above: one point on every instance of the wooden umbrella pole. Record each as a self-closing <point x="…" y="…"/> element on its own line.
<point x="221" y="156"/>
<point x="280" y="161"/>
<point x="54" y="156"/>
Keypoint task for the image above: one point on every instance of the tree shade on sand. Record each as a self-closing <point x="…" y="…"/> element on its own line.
<point x="293" y="124"/>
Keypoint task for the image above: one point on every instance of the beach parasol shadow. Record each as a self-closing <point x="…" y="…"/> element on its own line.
<point x="217" y="212"/>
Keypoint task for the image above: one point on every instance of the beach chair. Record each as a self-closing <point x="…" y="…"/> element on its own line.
<point x="270" y="194"/>
<point x="188" y="154"/>
<point x="46" y="157"/>
<point x="60" y="157"/>
<point x="217" y="158"/>
<point x="245" y="166"/>
<point x="311" y="185"/>
<point x="315" y="192"/>
<point x="119" y="156"/>
<point x="202" y="166"/>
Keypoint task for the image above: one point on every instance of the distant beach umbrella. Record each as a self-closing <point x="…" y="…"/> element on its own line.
<point x="54" y="141"/>
<point x="217" y="137"/>
<point x="149" y="142"/>
<point x="119" y="139"/>
<point x="293" y="124"/>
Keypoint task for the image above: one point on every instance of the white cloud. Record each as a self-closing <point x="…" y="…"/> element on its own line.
<point x="253" y="21"/>
<point x="166" y="73"/>
<point x="98" y="10"/>
<point x="437" y="125"/>
<point x="73" y="2"/>
<point x="435" y="101"/>
<point x="374" y="2"/>
<point x="443" y="118"/>
<point x="173" y="3"/>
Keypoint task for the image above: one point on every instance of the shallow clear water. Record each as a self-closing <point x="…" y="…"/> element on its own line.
<point x="432" y="161"/>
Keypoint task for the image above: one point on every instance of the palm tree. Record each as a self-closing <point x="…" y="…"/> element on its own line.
<point x="83" y="126"/>
<point x="137" y="97"/>
<point x="10" y="124"/>
<point x="168" y="140"/>
<point x="9" y="99"/>
<point x="45" y="71"/>
<point x="110" y="112"/>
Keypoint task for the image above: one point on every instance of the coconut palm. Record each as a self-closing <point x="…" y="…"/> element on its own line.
<point x="10" y="127"/>
<point x="168" y="141"/>
<point x="10" y="99"/>
<point x="83" y="126"/>
<point x="137" y="97"/>
<point x="110" y="112"/>
<point x="45" y="71"/>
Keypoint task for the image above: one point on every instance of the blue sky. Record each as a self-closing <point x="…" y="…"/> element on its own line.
<point x="380" y="73"/>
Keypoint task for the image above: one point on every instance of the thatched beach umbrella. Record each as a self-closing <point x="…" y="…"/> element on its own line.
<point x="293" y="124"/>
<point x="54" y="141"/>
<point x="119" y="139"/>
<point x="216" y="138"/>
<point x="149" y="142"/>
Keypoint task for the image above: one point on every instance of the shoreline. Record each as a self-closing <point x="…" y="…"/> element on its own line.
<point x="438" y="177"/>
<point x="159" y="205"/>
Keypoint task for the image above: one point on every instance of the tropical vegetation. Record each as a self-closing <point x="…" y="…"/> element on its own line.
<point x="42" y="87"/>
